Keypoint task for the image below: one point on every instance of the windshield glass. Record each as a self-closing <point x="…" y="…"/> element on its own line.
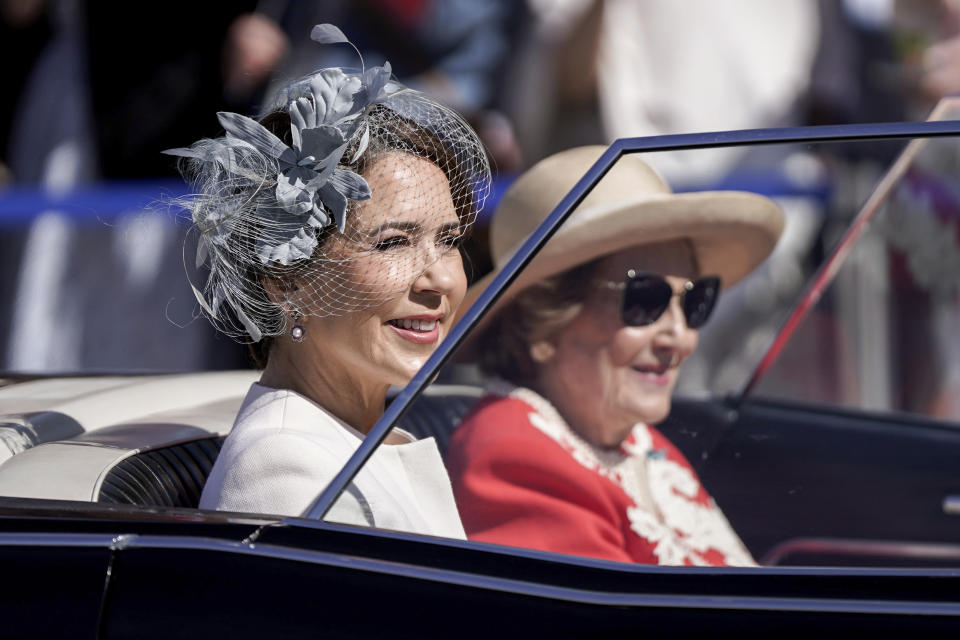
<point x="595" y="410"/>
<point x="882" y="335"/>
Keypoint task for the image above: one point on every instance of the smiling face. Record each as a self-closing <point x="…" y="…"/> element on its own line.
<point x="605" y="377"/>
<point x="412" y="234"/>
<point x="403" y="242"/>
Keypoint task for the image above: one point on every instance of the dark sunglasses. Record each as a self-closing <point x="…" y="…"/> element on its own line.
<point x="646" y="296"/>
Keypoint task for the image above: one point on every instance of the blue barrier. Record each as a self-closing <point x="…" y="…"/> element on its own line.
<point x="773" y="182"/>
<point x="103" y="202"/>
<point x="88" y="203"/>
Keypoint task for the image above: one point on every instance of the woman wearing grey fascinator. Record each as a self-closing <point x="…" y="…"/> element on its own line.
<point x="330" y="229"/>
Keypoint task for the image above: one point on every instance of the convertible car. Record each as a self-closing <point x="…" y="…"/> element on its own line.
<point x="824" y="417"/>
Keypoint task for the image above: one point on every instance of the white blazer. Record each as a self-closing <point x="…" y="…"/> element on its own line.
<point x="284" y="449"/>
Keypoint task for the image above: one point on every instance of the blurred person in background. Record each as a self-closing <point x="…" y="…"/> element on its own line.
<point x="456" y="50"/>
<point x="105" y="92"/>
<point x="616" y="68"/>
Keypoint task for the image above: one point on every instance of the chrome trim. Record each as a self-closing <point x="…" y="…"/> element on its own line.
<point x="106" y="540"/>
<point x="27" y="430"/>
<point x="951" y="505"/>
<point x="853" y="547"/>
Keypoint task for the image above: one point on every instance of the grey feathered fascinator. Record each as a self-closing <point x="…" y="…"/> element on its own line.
<point x="284" y="200"/>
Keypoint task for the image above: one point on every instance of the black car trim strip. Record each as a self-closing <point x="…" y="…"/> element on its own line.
<point x="527" y="588"/>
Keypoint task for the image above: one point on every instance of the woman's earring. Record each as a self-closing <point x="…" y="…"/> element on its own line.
<point x="297" y="332"/>
<point x="542" y="351"/>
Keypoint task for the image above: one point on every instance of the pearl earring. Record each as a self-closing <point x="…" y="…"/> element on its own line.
<point x="542" y="351"/>
<point x="297" y="332"/>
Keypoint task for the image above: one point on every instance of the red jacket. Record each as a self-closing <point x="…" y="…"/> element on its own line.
<point x="523" y="478"/>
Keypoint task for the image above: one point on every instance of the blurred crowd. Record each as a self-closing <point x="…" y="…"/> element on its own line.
<point x="95" y="90"/>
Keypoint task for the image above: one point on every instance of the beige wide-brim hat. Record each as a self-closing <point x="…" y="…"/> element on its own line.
<point x="731" y="232"/>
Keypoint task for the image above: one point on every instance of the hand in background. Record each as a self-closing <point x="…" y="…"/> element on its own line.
<point x="254" y="47"/>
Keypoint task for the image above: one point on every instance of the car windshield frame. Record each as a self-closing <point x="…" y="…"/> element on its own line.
<point x="533" y="244"/>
